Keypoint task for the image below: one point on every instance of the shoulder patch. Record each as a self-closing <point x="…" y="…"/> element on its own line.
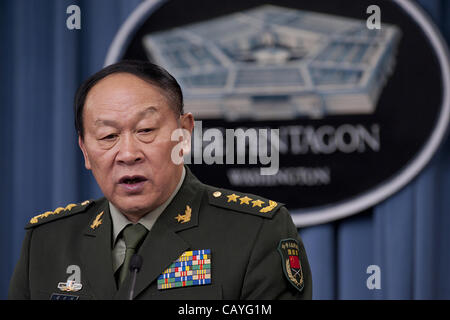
<point x="247" y="203"/>
<point x="60" y="212"/>
<point x="290" y="262"/>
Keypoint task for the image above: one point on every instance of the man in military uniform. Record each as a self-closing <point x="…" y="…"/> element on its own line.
<point x="158" y="233"/>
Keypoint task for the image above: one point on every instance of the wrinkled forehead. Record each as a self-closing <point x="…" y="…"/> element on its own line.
<point x="111" y="119"/>
<point x="125" y="95"/>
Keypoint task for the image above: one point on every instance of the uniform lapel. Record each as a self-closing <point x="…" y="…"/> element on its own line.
<point x="160" y="248"/>
<point x="164" y="243"/>
<point x="96" y="257"/>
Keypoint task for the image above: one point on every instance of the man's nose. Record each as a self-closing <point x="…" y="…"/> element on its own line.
<point x="129" y="150"/>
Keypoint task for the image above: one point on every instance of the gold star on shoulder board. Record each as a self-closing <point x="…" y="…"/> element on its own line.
<point x="257" y="203"/>
<point x="232" y="197"/>
<point x="245" y="200"/>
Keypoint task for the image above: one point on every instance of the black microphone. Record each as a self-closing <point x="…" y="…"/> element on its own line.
<point x="135" y="266"/>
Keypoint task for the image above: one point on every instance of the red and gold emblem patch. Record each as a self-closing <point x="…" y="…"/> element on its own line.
<point x="290" y="261"/>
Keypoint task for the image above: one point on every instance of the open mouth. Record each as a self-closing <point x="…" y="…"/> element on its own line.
<point x="130" y="180"/>
<point x="132" y="184"/>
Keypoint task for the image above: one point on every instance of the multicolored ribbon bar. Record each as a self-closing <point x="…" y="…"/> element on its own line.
<point x="184" y="284"/>
<point x="184" y="273"/>
<point x="187" y="278"/>
<point x="190" y="269"/>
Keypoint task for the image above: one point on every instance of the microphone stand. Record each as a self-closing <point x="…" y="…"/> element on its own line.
<point x="135" y="266"/>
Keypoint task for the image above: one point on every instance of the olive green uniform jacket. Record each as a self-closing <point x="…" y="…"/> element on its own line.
<point x="242" y="233"/>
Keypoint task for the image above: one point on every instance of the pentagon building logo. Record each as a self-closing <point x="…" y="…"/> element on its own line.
<point x="359" y="111"/>
<point x="277" y="63"/>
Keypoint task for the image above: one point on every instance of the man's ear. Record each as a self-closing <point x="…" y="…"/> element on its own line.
<point x="187" y="126"/>
<point x="87" y="164"/>
<point x="187" y="122"/>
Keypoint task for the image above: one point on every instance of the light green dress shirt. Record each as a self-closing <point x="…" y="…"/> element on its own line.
<point x="119" y="222"/>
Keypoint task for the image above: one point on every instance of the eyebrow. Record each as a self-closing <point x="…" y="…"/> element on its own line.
<point x="108" y="123"/>
<point x="150" y="109"/>
<point x="112" y="123"/>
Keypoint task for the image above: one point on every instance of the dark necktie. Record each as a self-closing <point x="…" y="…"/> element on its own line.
<point x="133" y="234"/>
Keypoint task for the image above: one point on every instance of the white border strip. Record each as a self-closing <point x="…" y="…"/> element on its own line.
<point x="321" y="215"/>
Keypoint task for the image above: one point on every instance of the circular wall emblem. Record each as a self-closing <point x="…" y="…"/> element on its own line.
<point x="357" y="95"/>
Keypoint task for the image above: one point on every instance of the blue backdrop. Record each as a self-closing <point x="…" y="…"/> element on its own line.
<point x="42" y="63"/>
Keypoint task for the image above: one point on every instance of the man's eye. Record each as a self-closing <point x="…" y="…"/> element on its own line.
<point x="146" y="130"/>
<point x="109" y="137"/>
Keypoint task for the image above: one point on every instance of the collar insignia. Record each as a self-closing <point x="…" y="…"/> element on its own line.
<point x="186" y="217"/>
<point x="97" y="222"/>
